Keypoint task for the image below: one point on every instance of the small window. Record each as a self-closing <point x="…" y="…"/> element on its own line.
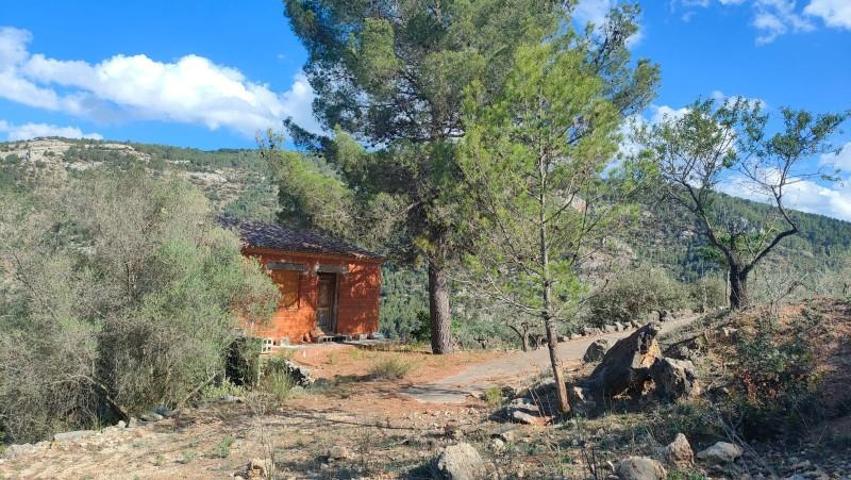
<point x="289" y="283"/>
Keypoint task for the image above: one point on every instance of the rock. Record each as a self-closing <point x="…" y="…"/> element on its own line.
<point x="507" y="436"/>
<point x="520" y="416"/>
<point x="679" y="453"/>
<point x="254" y="469"/>
<point x="562" y="338"/>
<point x="339" y="452"/>
<point x="524" y="405"/>
<point x="164" y="411"/>
<point x="653" y="316"/>
<point x="634" y="324"/>
<point x="151" y="417"/>
<point x="625" y="367"/>
<point x="300" y="375"/>
<point x="720" y="453"/>
<point x="132" y="423"/>
<point x="72" y="436"/>
<point x="458" y="462"/>
<point x="640" y="468"/>
<point x="596" y="351"/>
<point x="609" y="328"/>
<point x="497" y="445"/>
<point x="121" y="424"/>
<point x="13" y="451"/>
<point x="674" y="379"/>
<point x="230" y="399"/>
<point x="619" y="326"/>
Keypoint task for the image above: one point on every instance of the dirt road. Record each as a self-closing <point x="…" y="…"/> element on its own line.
<point x="513" y="369"/>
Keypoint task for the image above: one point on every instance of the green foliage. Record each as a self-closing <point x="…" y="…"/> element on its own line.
<point x="722" y="141"/>
<point x="243" y="361"/>
<point x="122" y="293"/>
<point x="775" y="376"/>
<point x="391" y="368"/>
<point x="222" y="449"/>
<point x="634" y="294"/>
<point x="275" y="379"/>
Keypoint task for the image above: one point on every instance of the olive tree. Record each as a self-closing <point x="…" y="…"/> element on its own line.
<point x="717" y="143"/>
<point x="119" y="292"/>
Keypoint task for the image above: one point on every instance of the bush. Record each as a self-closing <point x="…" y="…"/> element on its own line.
<point x="635" y="294"/>
<point x="708" y="293"/>
<point x="275" y="379"/>
<point x="391" y="368"/>
<point x="120" y="293"/>
<point x="776" y="378"/>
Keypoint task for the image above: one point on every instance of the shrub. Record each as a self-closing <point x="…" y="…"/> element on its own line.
<point x="635" y="294"/>
<point x="120" y="293"/>
<point x="708" y="293"/>
<point x="275" y="379"/>
<point x="391" y="368"/>
<point x="776" y="377"/>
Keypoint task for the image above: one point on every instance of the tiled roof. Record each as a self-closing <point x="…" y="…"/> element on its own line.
<point x="278" y="237"/>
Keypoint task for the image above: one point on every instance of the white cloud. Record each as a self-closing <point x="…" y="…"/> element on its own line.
<point x="191" y="90"/>
<point x="840" y="159"/>
<point x="834" y="13"/>
<point x="803" y="195"/>
<point x="33" y="130"/>
<point x="774" y="18"/>
<point x="595" y="12"/>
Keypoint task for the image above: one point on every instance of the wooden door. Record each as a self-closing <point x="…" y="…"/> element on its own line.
<point x="326" y="303"/>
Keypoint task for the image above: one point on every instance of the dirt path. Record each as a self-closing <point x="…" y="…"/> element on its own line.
<point x="514" y="368"/>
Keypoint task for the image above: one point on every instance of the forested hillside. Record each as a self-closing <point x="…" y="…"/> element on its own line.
<point x="237" y="182"/>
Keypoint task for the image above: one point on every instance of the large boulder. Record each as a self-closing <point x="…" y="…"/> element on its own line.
<point x="674" y="379"/>
<point x="596" y="351"/>
<point x="458" y="462"/>
<point x="625" y="368"/>
<point x="640" y="468"/>
<point x="720" y="453"/>
<point x="679" y="453"/>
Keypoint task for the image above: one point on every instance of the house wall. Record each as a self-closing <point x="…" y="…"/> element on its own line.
<point x="357" y="296"/>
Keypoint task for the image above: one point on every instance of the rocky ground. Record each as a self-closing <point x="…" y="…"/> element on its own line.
<point x="350" y="424"/>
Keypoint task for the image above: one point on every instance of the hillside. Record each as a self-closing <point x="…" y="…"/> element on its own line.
<point x="237" y="182"/>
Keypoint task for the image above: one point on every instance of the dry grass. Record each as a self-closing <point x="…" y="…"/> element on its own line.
<point x="391" y="368"/>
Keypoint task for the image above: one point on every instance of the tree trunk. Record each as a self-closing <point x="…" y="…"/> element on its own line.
<point x="438" y="300"/>
<point x="738" y="288"/>
<point x="558" y="376"/>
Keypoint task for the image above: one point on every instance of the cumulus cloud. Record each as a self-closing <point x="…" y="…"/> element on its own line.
<point x="33" y="130"/>
<point x="834" y="13"/>
<point x="192" y="89"/>
<point x="774" y="18"/>
<point x="840" y="159"/>
<point x="803" y="195"/>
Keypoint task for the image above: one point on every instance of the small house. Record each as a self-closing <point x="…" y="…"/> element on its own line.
<point x="329" y="288"/>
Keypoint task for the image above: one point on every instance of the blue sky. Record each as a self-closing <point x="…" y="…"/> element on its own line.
<point x="209" y="74"/>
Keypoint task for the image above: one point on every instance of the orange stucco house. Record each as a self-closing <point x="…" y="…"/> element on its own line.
<point x="329" y="289"/>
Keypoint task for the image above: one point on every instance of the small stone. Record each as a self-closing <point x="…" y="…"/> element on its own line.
<point x="679" y="452"/>
<point x="458" y="462"/>
<point x="151" y="417"/>
<point x="640" y="468"/>
<point x="596" y="351"/>
<point x="132" y="423"/>
<point x="720" y="453"/>
<point x="520" y="416"/>
<point x="339" y="452"/>
<point x="497" y="445"/>
<point x="230" y="399"/>
<point x="13" y="451"/>
<point x="121" y="424"/>
<point x="72" y="436"/>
